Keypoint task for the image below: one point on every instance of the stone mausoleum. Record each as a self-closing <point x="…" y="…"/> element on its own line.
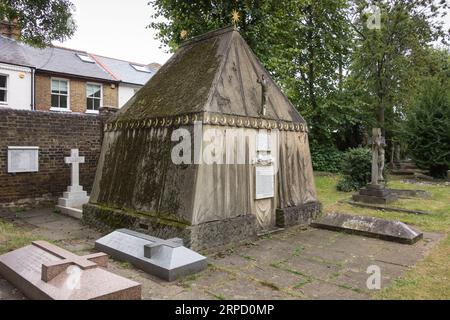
<point x="209" y="150"/>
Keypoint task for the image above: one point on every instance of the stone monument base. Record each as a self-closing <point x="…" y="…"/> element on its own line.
<point x="197" y="237"/>
<point x="203" y="236"/>
<point x="374" y="194"/>
<point x="72" y="202"/>
<point x="302" y="214"/>
<point x="76" y="213"/>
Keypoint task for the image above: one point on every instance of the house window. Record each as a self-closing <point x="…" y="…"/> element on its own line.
<point x="85" y="58"/>
<point x="93" y="96"/>
<point x="3" y="88"/>
<point x="60" y="94"/>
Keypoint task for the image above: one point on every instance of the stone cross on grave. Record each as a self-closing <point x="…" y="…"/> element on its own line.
<point x="73" y="200"/>
<point x="150" y="250"/>
<point x="53" y="269"/>
<point x="75" y="161"/>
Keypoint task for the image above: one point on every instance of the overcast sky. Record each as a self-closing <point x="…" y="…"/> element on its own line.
<point x="117" y="29"/>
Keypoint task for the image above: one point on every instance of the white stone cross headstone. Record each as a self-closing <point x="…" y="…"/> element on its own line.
<point x="72" y="201"/>
<point x="75" y="161"/>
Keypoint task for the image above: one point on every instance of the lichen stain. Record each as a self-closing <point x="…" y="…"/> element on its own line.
<point x="138" y="174"/>
<point x="181" y="86"/>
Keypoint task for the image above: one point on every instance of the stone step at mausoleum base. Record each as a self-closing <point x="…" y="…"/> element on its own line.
<point x="204" y="236"/>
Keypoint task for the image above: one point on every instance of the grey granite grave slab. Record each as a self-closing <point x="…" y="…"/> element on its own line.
<point x="43" y="271"/>
<point x="369" y="226"/>
<point x="166" y="259"/>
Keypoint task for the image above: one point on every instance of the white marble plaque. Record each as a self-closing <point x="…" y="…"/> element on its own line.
<point x="265" y="182"/>
<point x="262" y="142"/>
<point x="23" y="159"/>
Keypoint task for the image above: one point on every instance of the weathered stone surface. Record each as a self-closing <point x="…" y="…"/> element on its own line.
<point x="166" y="259"/>
<point x="302" y="214"/>
<point x="406" y="193"/>
<point x="44" y="271"/>
<point x="204" y="236"/>
<point x="385" y="207"/>
<point x="369" y="226"/>
<point x="375" y="194"/>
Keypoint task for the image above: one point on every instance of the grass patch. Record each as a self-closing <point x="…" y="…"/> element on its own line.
<point x="218" y="296"/>
<point x="430" y="278"/>
<point x="124" y="264"/>
<point x="12" y="238"/>
<point x="188" y="280"/>
<point x="298" y="250"/>
<point x="302" y="282"/>
<point x="247" y="257"/>
<point x="281" y="266"/>
<point x="344" y="286"/>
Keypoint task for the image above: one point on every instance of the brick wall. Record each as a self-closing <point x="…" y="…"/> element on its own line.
<point x="77" y="94"/>
<point x="55" y="134"/>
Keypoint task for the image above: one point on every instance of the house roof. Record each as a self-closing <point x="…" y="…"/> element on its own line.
<point x="13" y="52"/>
<point x="213" y="73"/>
<point x="124" y="70"/>
<point x="65" y="61"/>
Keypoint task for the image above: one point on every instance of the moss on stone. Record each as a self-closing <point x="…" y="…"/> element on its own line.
<point x="120" y="218"/>
<point x="181" y="86"/>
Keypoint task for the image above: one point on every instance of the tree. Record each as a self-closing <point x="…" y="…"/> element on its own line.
<point x="173" y="18"/>
<point x="388" y="57"/>
<point x="40" y="21"/>
<point x="310" y="43"/>
<point x="303" y="43"/>
<point x="427" y="128"/>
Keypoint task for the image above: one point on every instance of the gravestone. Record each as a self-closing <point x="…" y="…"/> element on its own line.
<point x="376" y="192"/>
<point x="44" y="271"/>
<point x="166" y="259"/>
<point x="369" y="226"/>
<point x="72" y="201"/>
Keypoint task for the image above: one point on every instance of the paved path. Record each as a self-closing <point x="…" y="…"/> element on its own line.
<point x="297" y="263"/>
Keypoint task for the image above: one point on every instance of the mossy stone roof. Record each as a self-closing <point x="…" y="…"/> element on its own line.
<point x="216" y="72"/>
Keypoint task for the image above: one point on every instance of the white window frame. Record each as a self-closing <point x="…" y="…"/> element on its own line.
<point x="101" y="97"/>
<point x="5" y="89"/>
<point x="68" y="95"/>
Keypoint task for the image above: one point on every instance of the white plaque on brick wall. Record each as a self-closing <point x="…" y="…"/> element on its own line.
<point x="23" y="159"/>
<point x="265" y="182"/>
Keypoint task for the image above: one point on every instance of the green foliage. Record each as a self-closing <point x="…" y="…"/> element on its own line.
<point x="427" y="128"/>
<point x="326" y="158"/>
<point x="345" y="184"/>
<point x="356" y="169"/>
<point x="301" y="43"/>
<point x="388" y="59"/>
<point x="40" y="21"/>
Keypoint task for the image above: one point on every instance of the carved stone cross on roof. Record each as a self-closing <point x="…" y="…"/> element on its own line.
<point x="51" y="270"/>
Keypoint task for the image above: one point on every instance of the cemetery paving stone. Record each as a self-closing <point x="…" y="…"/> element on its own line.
<point x="297" y="263"/>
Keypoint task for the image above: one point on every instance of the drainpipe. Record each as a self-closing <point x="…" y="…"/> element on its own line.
<point x="33" y="90"/>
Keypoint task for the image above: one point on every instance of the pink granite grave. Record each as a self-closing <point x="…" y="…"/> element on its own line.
<point x="45" y="271"/>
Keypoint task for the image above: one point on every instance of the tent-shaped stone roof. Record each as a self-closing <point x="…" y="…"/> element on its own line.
<point x="215" y="73"/>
